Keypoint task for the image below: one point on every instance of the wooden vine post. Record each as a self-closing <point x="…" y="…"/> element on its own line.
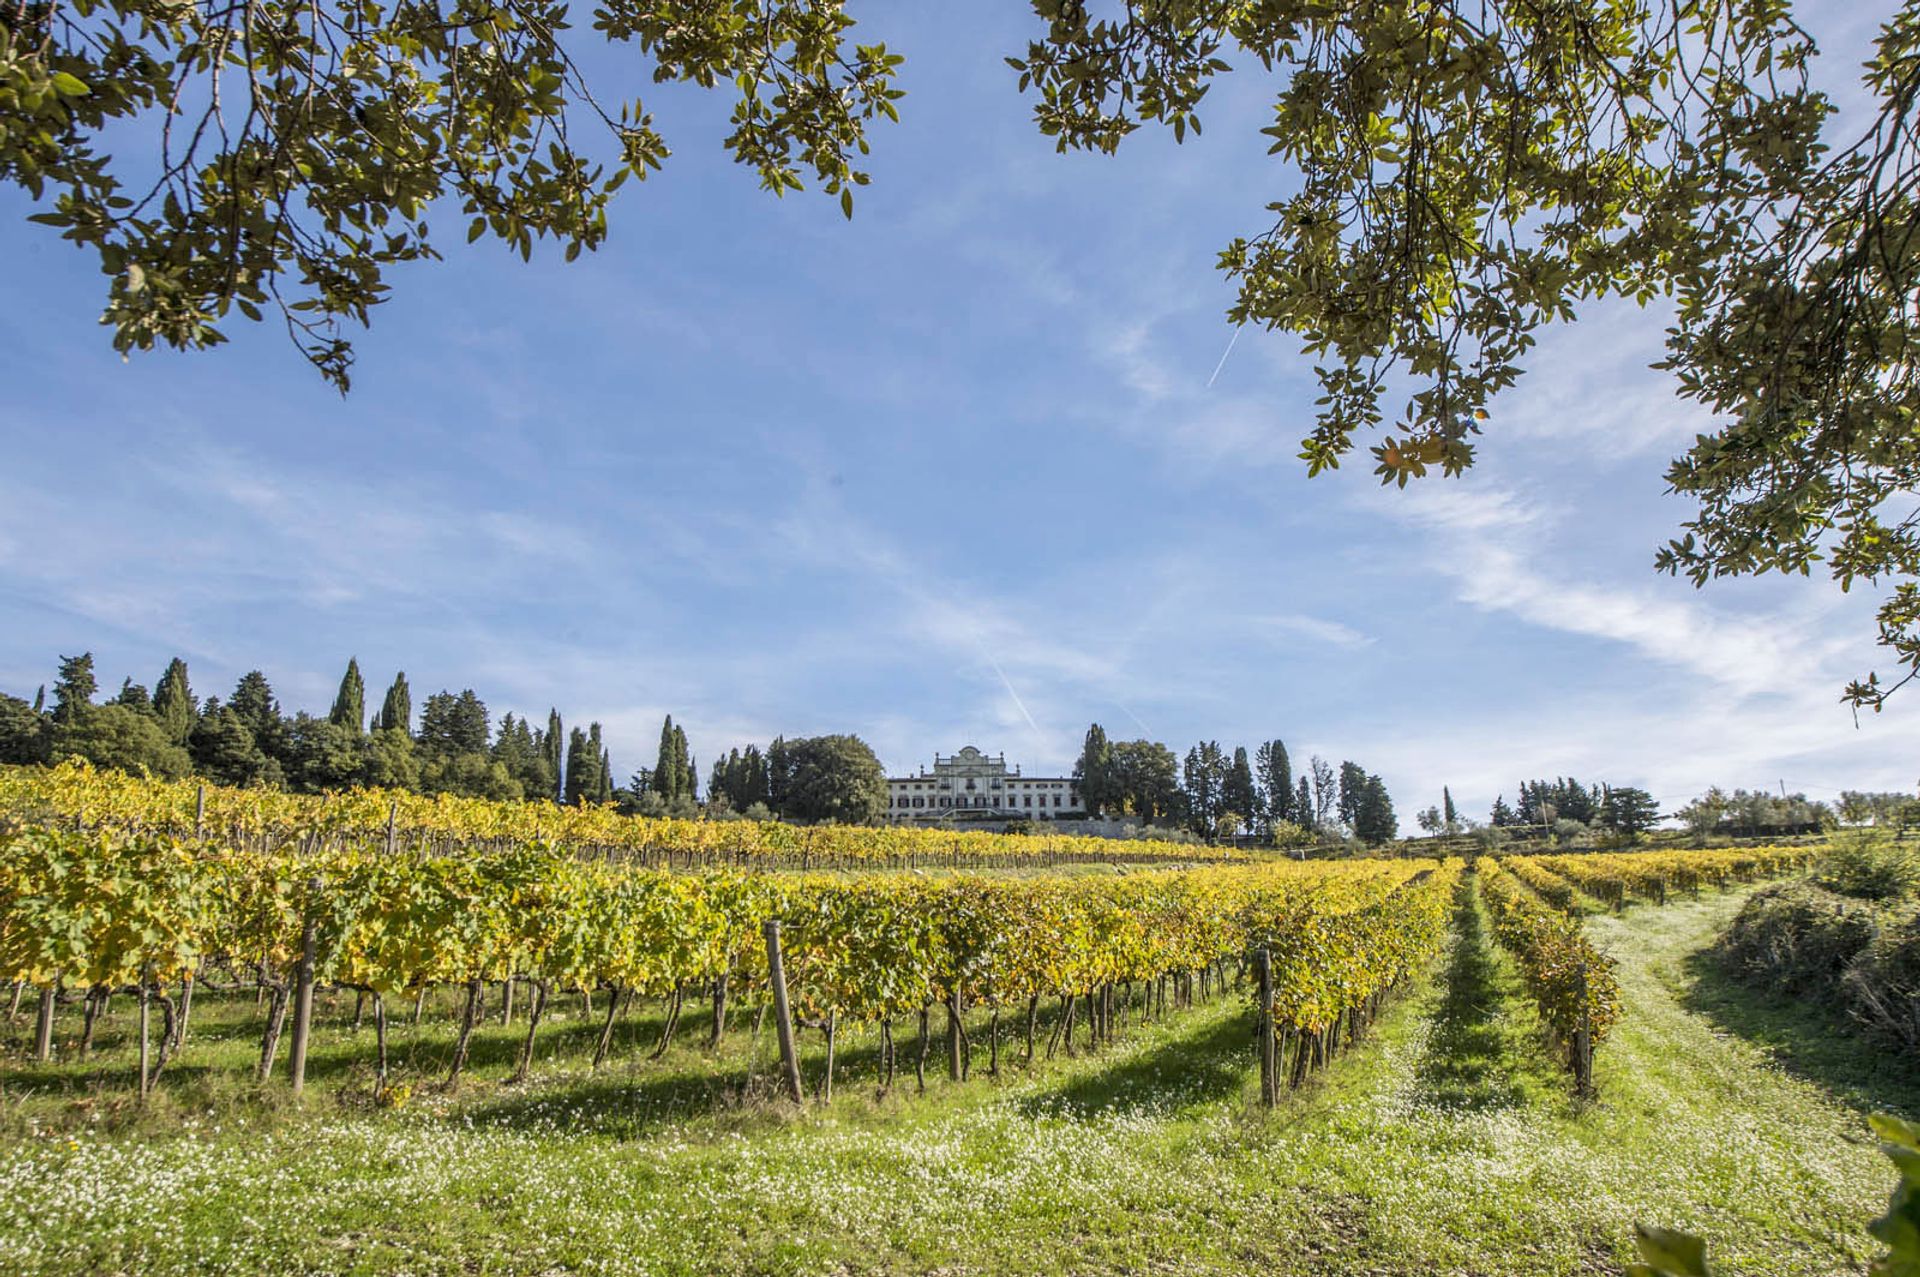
<point x="393" y="818"/>
<point x="43" y="1025"/>
<point x="782" y="1015"/>
<point x="200" y="813"/>
<point x="1583" y="1037"/>
<point x="1269" y="1070"/>
<point x="303" y="996"/>
<point x="146" y="995"/>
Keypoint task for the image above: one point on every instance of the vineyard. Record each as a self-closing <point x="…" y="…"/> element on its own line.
<point x="76" y="795"/>
<point x="281" y="896"/>
<point x="161" y="938"/>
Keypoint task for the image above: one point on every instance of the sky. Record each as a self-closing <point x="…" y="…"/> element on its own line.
<point x="966" y="469"/>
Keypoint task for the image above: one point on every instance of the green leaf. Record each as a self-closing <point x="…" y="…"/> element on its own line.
<point x="68" y="85"/>
<point x="1669" y="1253"/>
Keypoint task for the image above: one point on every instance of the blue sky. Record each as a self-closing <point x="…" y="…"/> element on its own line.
<point x="948" y="473"/>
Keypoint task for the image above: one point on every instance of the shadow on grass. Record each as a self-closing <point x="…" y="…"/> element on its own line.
<point x="1475" y="1060"/>
<point x="1808" y="1035"/>
<point x="1181" y="1073"/>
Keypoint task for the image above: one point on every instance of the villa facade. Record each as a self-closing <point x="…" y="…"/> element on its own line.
<point x="971" y="785"/>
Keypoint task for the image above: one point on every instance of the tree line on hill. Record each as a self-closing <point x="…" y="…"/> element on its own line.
<point x="1214" y="794"/>
<point x="248" y="740"/>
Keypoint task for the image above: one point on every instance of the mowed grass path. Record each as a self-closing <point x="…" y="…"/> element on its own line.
<point x="1444" y="1145"/>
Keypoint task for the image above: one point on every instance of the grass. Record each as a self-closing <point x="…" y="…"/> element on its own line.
<point x="1446" y="1144"/>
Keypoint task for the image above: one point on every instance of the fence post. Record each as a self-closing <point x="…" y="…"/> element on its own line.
<point x="303" y="996"/>
<point x="782" y="1016"/>
<point x="1269" y="1074"/>
<point x="200" y="813"/>
<point x="393" y="817"/>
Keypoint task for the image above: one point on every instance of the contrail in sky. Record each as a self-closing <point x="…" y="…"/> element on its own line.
<point x="1008" y="684"/>
<point x="1222" y="364"/>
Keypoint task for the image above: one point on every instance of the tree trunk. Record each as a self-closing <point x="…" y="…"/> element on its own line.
<point x="506" y="1002"/>
<point x="719" y="1012"/>
<point x="886" y="1055"/>
<point x="538" y="1004"/>
<point x="86" y="1028"/>
<point x="1033" y="1010"/>
<point x="276" y="1020"/>
<point x="826" y="1083"/>
<point x="993" y="1040"/>
<point x="673" y="1022"/>
<point x="186" y="1009"/>
<point x="606" y="1030"/>
<point x="920" y="1063"/>
<point x="472" y="1013"/>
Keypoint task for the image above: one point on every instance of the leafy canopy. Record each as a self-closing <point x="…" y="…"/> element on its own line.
<point x="1458" y="175"/>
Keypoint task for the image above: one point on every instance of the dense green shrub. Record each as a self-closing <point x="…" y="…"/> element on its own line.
<point x="1800" y="935"/>
<point x="1883" y="984"/>
<point x="1869" y="867"/>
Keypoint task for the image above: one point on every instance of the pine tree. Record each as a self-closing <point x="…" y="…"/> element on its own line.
<point x="173" y="703"/>
<point x="470" y="728"/>
<point x="350" y="704"/>
<point x="73" y="690"/>
<point x="396" y="711"/>
<point x="1302" y="814"/>
<point x="253" y="703"/>
<point x="134" y="696"/>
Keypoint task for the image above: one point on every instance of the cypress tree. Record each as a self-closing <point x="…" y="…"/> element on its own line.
<point x="1276" y="780"/>
<point x="173" y="702"/>
<point x="1094" y="772"/>
<point x="1303" y="804"/>
<point x="1239" y="794"/>
<point x="779" y="772"/>
<point x="350" y="704"/>
<point x="397" y="709"/>
<point x="666" y="767"/>
<point x="576" y="765"/>
<point x="555" y="757"/>
<point x="1448" y="815"/>
<point x="685" y="778"/>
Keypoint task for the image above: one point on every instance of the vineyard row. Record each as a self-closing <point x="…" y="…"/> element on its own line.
<point x="78" y="796"/>
<point x="101" y="911"/>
